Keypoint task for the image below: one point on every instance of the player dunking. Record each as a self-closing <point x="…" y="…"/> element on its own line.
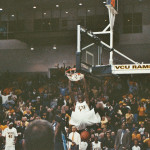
<point x="83" y="116"/>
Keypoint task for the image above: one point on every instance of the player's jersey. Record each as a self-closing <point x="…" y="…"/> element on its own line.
<point x="10" y="135"/>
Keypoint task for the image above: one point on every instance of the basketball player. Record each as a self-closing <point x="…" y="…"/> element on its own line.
<point x="10" y="137"/>
<point x="83" y="116"/>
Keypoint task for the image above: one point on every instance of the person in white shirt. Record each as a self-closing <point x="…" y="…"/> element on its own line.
<point x="84" y="145"/>
<point x="136" y="147"/>
<point x="96" y="145"/>
<point x="4" y="97"/>
<point x="141" y="129"/>
<point x="10" y="136"/>
<point x="76" y="140"/>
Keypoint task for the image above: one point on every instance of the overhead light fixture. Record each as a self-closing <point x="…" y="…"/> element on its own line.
<point x="32" y="48"/>
<point x="105" y="20"/>
<point x="1" y="9"/>
<point x="80" y="4"/>
<point x="54" y="47"/>
<point x="13" y="15"/>
<point x="57" y="5"/>
<point x="128" y="20"/>
<point x="66" y="12"/>
<point x="88" y="10"/>
<point x="104" y="2"/>
<point x="44" y="13"/>
<point x="34" y="7"/>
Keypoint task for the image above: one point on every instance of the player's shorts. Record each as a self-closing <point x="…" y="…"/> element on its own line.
<point x="9" y="147"/>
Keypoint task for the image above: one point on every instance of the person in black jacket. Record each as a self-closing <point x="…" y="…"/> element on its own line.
<point x="109" y="142"/>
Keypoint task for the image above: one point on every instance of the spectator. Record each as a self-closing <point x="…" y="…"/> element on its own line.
<point x="129" y="118"/>
<point x="141" y="129"/>
<point x="39" y="135"/>
<point x="109" y="142"/>
<point x="96" y="145"/>
<point x="141" y="110"/>
<point x="123" y="138"/>
<point x="136" y="147"/>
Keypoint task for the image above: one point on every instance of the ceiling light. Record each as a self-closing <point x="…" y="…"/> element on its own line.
<point x="57" y="5"/>
<point x="34" y="7"/>
<point x="105" y="20"/>
<point x="104" y="2"/>
<point x="88" y="10"/>
<point x="13" y="15"/>
<point x="128" y="20"/>
<point x="44" y="13"/>
<point x="80" y="4"/>
<point x="54" y="47"/>
<point x="32" y="48"/>
<point x="66" y="12"/>
<point x="1" y="9"/>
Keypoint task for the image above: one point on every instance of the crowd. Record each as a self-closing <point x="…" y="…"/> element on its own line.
<point x="122" y="102"/>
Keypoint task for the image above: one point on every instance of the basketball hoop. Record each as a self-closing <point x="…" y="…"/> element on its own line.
<point x="73" y="75"/>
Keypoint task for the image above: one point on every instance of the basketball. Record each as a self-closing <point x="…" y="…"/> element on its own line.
<point x="85" y="135"/>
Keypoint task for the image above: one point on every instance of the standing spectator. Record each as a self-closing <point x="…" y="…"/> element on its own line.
<point x="10" y="136"/>
<point x="109" y="142"/>
<point x="122" y="140"/>
<point x="147" y="142"/>
<point x="136" y="135"/>
<point x="141" y="110"/>
<point x="141" y="129"/>
<point x="129" y="118"/>
<point x="76" y="140"/>
<point x="4" y="98"/>
<point x="136" y="147"/>
<point x="134" y="110"/>
<point x="96" y="145"/>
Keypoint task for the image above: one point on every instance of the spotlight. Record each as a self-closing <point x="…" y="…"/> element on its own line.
<point x="57" y="6"/>
<point x="34" y="7"/>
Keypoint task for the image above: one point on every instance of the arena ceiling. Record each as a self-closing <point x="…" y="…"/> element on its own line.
<point x="8" y="5"/>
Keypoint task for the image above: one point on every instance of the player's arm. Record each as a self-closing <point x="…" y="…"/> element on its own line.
<point x="70" y="91"/>
<point x="85" y="89"/>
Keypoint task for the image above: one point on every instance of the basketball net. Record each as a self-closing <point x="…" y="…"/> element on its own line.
<point x="73" y="75"/>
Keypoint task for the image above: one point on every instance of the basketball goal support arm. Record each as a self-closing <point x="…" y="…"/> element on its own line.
<point x="98" y="42"/>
